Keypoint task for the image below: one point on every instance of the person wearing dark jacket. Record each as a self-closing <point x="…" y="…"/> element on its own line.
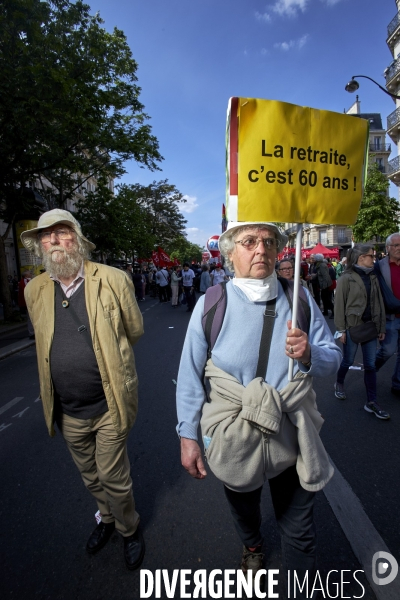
<point x="321" y="274"/>
<point x="358" y="300"/>
<point x="388" y="273"/>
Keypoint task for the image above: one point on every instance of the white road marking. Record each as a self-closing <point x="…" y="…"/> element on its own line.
<point x="10" y="404"/>
<point x="38" y="399"/>
<point x="19" y="415"/>
<point x="360" y="532"/>
<point x="4" y="426"/>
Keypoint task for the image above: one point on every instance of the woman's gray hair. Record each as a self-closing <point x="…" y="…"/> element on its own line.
<point x="354" y="253"/>
<point x="83" y="247"/>
<point x="227" y="244"/>
<point x="318" y="257"/>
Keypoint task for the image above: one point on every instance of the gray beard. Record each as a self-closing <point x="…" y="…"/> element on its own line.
<point x="62" y="264"/>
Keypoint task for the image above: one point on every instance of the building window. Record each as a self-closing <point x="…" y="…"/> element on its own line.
<point x="323" y="236"/>
<point x="341" y="235"/>
<point x="377" y="143"/>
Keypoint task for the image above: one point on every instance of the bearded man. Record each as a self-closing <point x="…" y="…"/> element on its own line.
<point x="86" y="321"/>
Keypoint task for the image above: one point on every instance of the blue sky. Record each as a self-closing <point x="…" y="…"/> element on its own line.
<point x="193" y="56"/>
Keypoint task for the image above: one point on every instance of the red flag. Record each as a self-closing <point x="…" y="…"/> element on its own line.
<point x="155" y="258"/>
<point x="164" y="259"/>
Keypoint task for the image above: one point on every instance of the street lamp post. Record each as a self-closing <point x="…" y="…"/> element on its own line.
<point x="353" y="85"/>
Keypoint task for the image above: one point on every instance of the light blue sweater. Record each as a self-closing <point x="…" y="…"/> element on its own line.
<point x="237" y="347"/>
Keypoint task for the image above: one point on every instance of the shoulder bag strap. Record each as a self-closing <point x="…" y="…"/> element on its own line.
<point x="266" y="337"/>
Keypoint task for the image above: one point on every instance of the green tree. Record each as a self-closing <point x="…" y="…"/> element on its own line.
<point x="378" y="214"/>
<point x="115" y="223"/>
<point x="134" y="221"/>
<point x="160" y="200"/>
<point x="185" y="251"/>
<point x="69" y="106"/>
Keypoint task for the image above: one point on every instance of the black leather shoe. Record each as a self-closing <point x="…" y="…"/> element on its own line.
<point x="395" y="391"/>
<point x="100" y="537"/>
<point x="134" y="550"/>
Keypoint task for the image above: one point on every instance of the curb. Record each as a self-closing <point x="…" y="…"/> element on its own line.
<point x="17" y="349"/>
<point x="4" y="330"/>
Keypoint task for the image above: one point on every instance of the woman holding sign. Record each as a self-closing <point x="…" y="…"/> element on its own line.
<point x="257" y="426"/>
<point x="360" y="319"/>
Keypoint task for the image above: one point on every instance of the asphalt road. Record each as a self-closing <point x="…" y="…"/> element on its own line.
<point x="47" y="515"/>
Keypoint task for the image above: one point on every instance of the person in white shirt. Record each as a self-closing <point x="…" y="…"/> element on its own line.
<point x="187" y="281"/>
<point x="162" y="282"/>
<point x="218" y="275"/>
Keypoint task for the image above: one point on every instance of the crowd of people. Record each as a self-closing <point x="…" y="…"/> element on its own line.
<point x="255" y="425"/>
<point x="177" y="285"/>
<point x="359" y="297"/>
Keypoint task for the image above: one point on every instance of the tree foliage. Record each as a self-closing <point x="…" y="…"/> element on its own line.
<point x="186" y="251"/>
<point x="69" y="106"/>
<point x="378" y="214"/>
<point x="69" y="101"/>
<point x="134" y="221"/>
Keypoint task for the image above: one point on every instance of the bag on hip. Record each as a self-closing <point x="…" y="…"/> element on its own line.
<point x="364" y="332"/>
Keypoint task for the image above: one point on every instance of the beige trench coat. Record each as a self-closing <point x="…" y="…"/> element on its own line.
<point x="116" y="324"/>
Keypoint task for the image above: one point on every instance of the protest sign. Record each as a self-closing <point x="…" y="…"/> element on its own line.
<point x="288" y="163"/>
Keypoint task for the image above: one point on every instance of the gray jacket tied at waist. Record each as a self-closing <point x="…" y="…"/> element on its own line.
<point x="255" y="432"/>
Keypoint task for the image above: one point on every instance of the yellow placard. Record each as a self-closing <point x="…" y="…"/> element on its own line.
<point x="298" y="164"/>
<point x="27" y="260"/>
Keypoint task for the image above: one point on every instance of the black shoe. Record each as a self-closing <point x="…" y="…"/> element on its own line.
<point x="134" y="550"/>
<point x="395" y="391"/>
<point x="100" y="537"/>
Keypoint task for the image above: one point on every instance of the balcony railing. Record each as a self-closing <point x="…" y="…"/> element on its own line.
<point x="392" y="70"/>
<point x="380" y="147"/>
<point x="394" y="165"/>
<point x="393" y="118"/>
<point x="394" y="23"/>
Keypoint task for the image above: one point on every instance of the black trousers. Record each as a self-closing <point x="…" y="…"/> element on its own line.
<point x="293" y="508"/>
<point x="190" y="296"/>
<point x="326" y="296"/>
<point x="162" y="293"/>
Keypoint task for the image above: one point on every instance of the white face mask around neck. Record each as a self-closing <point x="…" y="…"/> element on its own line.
<point x="258" y="290"/>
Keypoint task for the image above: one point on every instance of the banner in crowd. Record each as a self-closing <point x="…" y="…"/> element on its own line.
<point x="289" y="163"/>
<point x="161" y="258"/>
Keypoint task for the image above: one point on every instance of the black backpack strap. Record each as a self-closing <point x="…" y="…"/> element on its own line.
<point x="266" y="337"/>
<point x="304" y="312"/>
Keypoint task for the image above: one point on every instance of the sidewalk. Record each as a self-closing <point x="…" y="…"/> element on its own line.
<point x="14" y="346"/>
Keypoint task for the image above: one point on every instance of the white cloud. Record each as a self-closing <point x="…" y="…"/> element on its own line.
<point x="264" y="52"/>
<point x="331" y="2"/>
<point x="197" y="236"/>
<point x="303" y="40"/>
<point x="289" y="8"/>
<point x="190" y="205"/>
<point x="263" y="17"/>
<point x="285" y="46"/>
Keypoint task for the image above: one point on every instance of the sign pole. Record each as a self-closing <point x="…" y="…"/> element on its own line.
<point x="299" y="239"/>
